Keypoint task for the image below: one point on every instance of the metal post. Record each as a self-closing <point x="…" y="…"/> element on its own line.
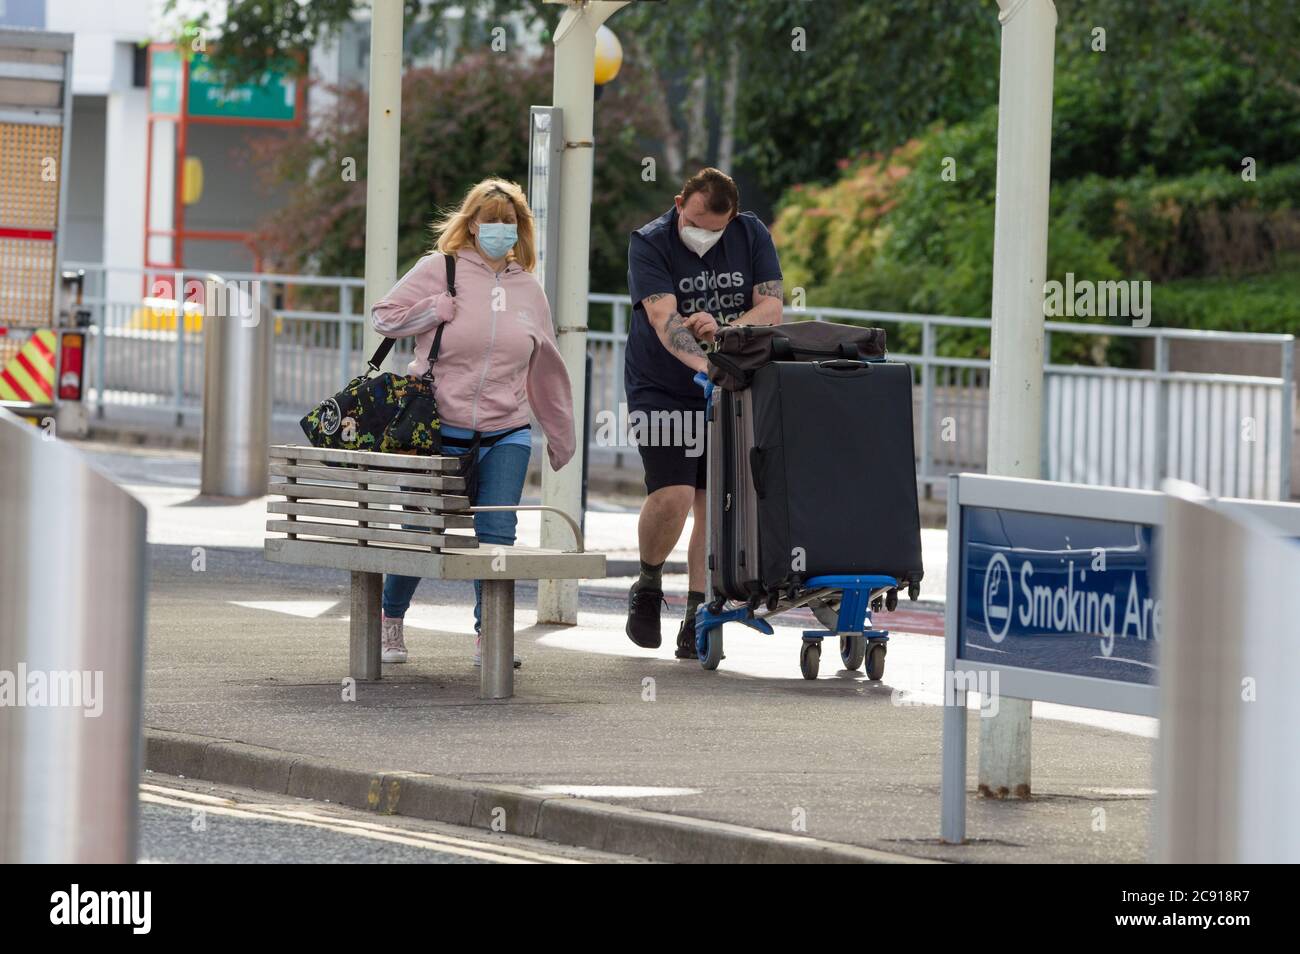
<point x="70" y="759"/>
<point x="545" y="152"/>
<point x="573" y="92"/>
<point x="952" y="821"/>
<point x="927" y="403"/>
<point x="364" y="636"/>
<point x="497" y="675"/>
<point x="383" y="154"/>
<point x="179" y="379"/>
<point x="1162" y="408"/>
<point x="345" y="334"/>
<point x="1019" y="273"/>
<point x="1045" y="441"/>
<point x="585" y="442"/>
<point x="236" y="392"/>
<point x="619" y="324"/>
<point x="101" y="343"/>
<point x="1287" y="434"/>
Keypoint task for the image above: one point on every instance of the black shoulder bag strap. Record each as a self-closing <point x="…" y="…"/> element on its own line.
<point x="385" y="346"/>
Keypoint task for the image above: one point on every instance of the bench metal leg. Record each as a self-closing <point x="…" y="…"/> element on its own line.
<point x="497" y="679"/>
<point x="364" y="632"/>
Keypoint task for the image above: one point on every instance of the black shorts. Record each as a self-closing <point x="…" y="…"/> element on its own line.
<point x="675" y="463"/>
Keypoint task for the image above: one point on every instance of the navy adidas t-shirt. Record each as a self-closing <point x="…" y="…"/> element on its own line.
<point x="721" y="283"/>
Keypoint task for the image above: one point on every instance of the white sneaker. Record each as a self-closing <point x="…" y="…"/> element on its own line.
<point x="478" y="654"/>
<point x="393" y="642"/>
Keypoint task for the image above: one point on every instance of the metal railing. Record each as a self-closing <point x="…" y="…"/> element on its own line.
<point x="1127" y="426"/>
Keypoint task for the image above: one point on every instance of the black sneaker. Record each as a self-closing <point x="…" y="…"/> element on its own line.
<point x="643" y="607"/>
<point x="686" y="641"/>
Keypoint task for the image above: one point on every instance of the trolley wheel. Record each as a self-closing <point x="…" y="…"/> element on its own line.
<point x="810" y="657"/>
<point x="914" y="591"/>
<point x="876" y="662"/>
<point x="853" y="649"/>
<point x="709" y="647"/>
<point x="716" y="606"/>
<point x="891" y="600"/>
<point x="773" y="599"/>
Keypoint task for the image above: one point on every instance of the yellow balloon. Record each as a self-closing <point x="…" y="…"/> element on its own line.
<point x="609" y="55"/>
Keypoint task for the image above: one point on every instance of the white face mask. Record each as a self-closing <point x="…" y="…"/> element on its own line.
<point x="700" y="241"/>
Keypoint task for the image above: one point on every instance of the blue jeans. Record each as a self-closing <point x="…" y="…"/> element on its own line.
<point x="501" y="472"/>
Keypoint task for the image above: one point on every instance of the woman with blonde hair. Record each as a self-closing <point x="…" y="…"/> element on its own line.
<point x="497" y="359"/>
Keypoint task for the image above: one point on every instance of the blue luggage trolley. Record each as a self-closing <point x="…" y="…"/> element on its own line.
<point x="860" y="642"/>
<point x="857" y="595"/>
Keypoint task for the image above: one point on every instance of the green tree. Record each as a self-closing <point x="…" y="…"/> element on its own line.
<point x="729" y="82"/>
<point x="459" y="126"/>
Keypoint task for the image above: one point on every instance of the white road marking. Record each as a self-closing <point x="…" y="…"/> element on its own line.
<point x="308" y="609"/>
<point x="612" y="791"/>
<point x="505" y="854"/>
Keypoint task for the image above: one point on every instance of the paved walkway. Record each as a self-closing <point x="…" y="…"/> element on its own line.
<point x="255" y="652"/>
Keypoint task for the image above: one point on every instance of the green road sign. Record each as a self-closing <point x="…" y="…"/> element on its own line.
<point x="165" y="83"/>
<point x="273" y="95"/>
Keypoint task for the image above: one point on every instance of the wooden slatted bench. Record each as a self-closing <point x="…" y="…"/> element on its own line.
<point x="345" y="510"/>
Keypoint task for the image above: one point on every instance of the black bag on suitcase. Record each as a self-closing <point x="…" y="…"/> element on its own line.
<point x="743" y="349"/>
<point x="813" y="467"/>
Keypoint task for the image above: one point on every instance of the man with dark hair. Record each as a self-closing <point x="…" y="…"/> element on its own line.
<point x="701" y="265"/>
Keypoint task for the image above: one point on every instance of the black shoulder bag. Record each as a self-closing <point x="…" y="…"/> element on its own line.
<point x="386" y="412"/>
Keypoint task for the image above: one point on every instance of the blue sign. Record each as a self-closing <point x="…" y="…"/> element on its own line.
<point x="1070" y="595"/>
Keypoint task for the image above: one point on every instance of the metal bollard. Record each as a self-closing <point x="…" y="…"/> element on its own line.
<point x="1226" y="772"/>
<point x="72" y="592"/>
<point x="238" y="336"/>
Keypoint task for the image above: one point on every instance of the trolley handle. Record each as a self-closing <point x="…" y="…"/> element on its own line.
<point x="703" y="381"/>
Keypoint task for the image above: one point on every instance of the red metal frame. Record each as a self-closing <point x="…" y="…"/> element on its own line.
<point x="178" y="233"/>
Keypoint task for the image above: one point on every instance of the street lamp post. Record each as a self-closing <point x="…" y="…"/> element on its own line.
<point x="383" y="155"/>
<point x="574" y="93"/>
<point x="1019" y="272"/>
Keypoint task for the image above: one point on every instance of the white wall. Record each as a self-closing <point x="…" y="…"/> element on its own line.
<point x="83" y="237"/>
<point x="98" y="26"/>
<point x="125" y="129"/>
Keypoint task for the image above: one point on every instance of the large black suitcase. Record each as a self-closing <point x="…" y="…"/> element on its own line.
<point x="733" y="512"/>
<point x="813" y="465"/>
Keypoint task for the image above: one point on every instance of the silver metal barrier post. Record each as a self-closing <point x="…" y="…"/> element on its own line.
<point x="71" y="655"/>
<point x="238" y="335"/>
<point x="1226" y="772"/>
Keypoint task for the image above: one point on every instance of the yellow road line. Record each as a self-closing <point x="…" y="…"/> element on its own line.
<point x="465" y="847"/>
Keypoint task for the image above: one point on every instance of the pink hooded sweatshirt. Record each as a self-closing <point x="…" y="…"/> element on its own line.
<point x="498" y="355"/>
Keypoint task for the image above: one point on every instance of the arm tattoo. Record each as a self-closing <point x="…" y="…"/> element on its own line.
<point x="651" y="299"/>
<point x="679" y="336"/>
<point x="770" y="289"/>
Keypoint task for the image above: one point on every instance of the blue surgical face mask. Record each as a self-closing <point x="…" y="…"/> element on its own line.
<point x="497" y="238"/>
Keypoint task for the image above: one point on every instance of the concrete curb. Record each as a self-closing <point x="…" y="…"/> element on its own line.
<point x="565" y="819"/>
